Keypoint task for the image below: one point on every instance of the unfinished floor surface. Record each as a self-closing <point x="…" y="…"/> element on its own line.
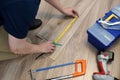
<point x="74" y="43"/>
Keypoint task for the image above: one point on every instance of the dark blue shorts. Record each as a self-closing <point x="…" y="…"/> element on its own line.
<point x="17" y="16"/>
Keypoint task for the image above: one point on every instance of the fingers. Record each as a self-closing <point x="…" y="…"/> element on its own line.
<point x="51" y="46"/>
<point x="51" y="43"/>
<point x="52" y="50"/>
<point x="75" y="13"/>
<point x="71" y="12"/>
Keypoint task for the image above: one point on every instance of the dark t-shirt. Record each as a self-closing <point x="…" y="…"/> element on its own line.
<point x="16" y="15"/>
<point x="6" y="2"/>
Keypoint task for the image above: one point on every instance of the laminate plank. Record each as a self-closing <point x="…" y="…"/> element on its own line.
<point x="74" y="43"/>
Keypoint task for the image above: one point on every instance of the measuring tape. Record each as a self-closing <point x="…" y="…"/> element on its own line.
<point x="62" y="34"/>
<point x="65" y="30"/>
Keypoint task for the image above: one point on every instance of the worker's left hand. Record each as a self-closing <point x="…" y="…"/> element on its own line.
<point x="70" y="12"/>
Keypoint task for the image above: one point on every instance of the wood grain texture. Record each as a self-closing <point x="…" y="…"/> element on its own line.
<point x="75" y="44"/>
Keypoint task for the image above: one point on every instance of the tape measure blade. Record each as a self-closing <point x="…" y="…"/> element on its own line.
<point x="65" y="30"/>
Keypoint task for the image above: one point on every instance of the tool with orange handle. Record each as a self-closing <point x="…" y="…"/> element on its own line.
<point x="76" y="73"/>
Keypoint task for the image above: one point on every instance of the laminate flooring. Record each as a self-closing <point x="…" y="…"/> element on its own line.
<point x="75" y="43"/>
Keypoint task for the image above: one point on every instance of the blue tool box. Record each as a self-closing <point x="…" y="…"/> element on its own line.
<point x="101" y="35"/>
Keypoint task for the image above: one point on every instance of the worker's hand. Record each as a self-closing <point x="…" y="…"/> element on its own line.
<point x="70" y="12"/>
<point x="47" y="47"/>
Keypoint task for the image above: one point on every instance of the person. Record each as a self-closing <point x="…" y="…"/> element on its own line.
<point x="17" y="16"/>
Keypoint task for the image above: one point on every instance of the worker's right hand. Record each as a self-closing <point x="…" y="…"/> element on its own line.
<point x="70" y="12"/>
<point x="47" y="47"/>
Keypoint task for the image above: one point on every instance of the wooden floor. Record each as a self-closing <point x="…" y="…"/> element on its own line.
<point x="75" y="44"/>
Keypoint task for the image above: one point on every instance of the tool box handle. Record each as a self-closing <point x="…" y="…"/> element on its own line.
<point x="110" y="17"/>
<point x="110" y="25"/>
<point x="83" y="67"/>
